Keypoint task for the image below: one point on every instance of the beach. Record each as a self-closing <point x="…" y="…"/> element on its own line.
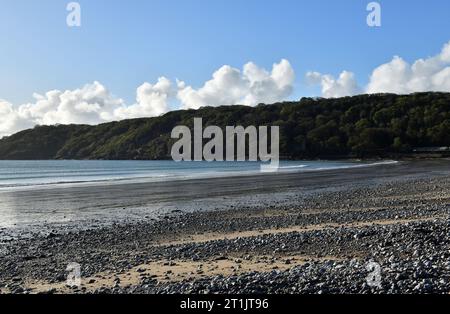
<point x="377" y="229"/>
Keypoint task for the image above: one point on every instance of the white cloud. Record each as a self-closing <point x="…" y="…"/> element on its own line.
<point x="93" y="103"/>
<point x="90" y="104"/>
<point x="225" y="88"/>
<point x="251" y="86"/>
<point x="10" y="121"/>
<point x="396" y="76"/>
<point x="343" y="86"/>
<point x="152" y="100"/>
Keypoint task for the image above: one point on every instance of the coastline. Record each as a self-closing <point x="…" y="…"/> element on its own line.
<point x="166" y="177"/>
<point x="310" y="233"/>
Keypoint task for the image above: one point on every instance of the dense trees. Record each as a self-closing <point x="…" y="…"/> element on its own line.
<point x="363" y="126"/>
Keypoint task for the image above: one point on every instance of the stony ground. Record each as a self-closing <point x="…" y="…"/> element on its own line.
<point x="386" y="237"/>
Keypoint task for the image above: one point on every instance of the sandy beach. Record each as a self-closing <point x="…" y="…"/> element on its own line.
<point x="311" y="232"/>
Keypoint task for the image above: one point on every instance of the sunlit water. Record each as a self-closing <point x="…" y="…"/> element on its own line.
<point x="43" y="193"/>
<point x="16" y="174"/>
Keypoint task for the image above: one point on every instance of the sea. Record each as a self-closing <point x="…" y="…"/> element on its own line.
<point x="23" y="174"/>
<point x="41" y="195"/>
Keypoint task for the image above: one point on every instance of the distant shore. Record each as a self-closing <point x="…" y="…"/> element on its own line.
<point x="287" y="233"/>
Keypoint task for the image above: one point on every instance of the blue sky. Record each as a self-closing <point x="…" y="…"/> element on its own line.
<point x="125" y="43"/>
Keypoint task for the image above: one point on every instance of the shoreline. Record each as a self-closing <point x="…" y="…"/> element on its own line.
<point x="202" y="176"/>
<point x="332" y="224"/>
<point x="144" y="198"/>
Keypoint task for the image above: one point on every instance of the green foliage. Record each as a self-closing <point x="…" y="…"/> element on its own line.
<point x="364" y="126"/>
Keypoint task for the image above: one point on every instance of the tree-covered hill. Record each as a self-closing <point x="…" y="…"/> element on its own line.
<point x="359" y="126"/>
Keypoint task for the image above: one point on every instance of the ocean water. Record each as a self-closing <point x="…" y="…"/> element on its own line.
<point x="20" y="174"/>
<point x="39" y="195"/>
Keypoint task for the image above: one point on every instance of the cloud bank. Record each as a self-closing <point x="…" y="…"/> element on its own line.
<point x="396" y="76"/>
<point x="93" y="103"/>
<point x="344" y="85"/>
<point x="230" y="86"/>
<point x="251" y="85"/>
